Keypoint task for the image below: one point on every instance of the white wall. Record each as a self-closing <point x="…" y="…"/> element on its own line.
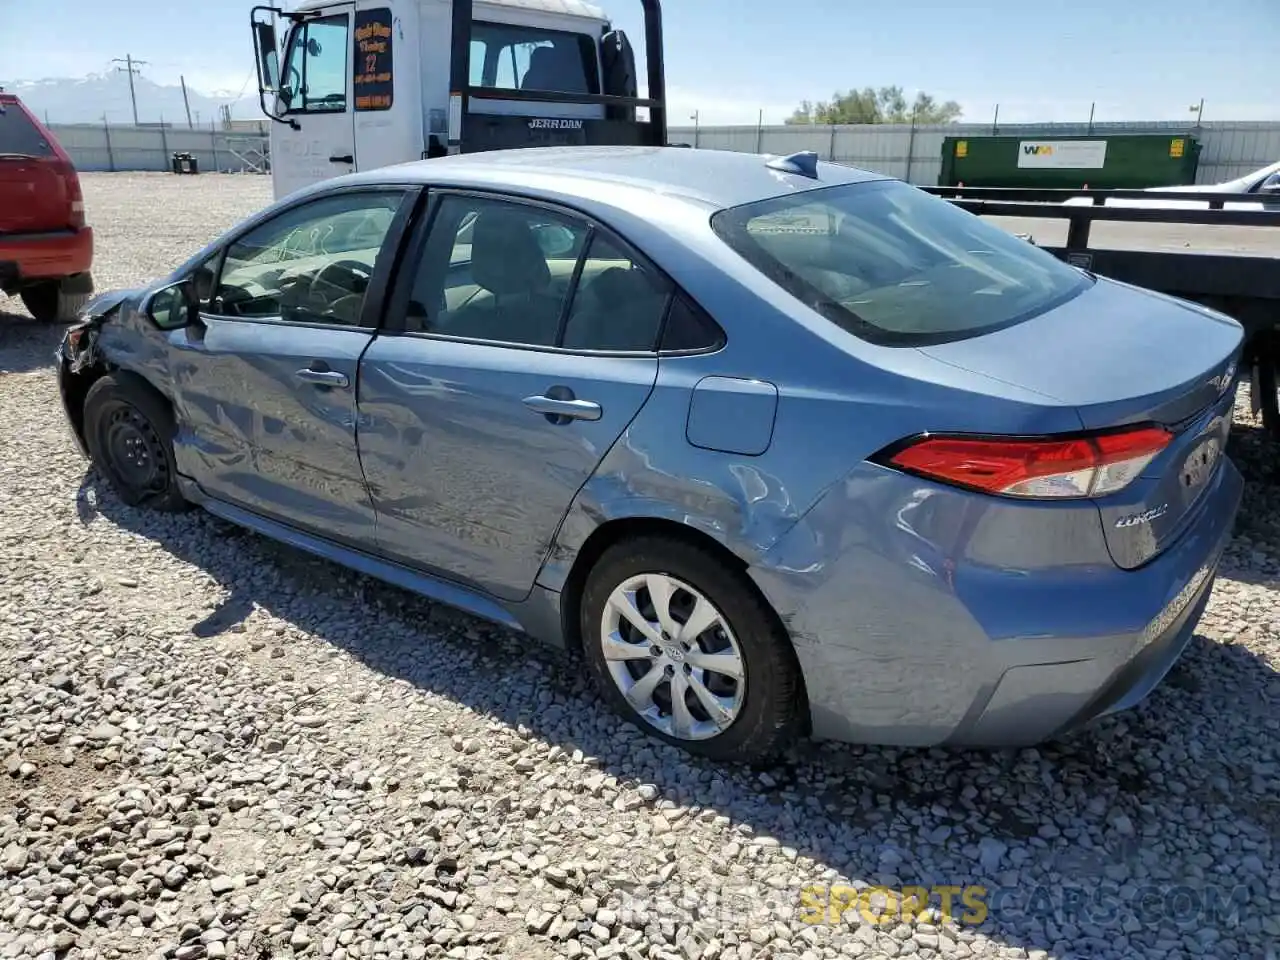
<point x="93" y="146"/>
<point x="1228" y="149"/>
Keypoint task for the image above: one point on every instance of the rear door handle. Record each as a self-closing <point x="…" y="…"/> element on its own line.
<point x="323" y="378"/>
<point x="345" y="158"/>
<point x="573" y="409"/>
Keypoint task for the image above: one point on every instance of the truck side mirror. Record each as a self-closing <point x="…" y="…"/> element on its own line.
<point x="268" y="56"/>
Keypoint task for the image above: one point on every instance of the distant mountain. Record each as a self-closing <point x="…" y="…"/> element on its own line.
<point x="88" y="99"/>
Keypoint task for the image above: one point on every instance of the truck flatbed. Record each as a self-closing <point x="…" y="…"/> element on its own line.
<point x="1180" y="237"/>
<point x="1227" y="259"/>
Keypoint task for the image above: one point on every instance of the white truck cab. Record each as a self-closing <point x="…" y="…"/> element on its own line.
<point x="360" y="84"/>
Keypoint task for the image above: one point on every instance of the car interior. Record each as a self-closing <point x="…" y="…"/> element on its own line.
<point x="508" y="279"/>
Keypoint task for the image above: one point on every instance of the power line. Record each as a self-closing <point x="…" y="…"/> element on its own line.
<point x="131" y="67"/>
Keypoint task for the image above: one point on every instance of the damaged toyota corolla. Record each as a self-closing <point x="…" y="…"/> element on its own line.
<point x="779" y="446"/>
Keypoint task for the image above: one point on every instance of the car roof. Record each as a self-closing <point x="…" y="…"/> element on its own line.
<point x="709" y="178"/>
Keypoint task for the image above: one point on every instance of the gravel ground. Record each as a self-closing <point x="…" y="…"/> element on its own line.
<point x="214" y="746"/>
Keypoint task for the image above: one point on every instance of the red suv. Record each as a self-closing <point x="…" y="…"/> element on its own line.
<point x="46" y="249"/>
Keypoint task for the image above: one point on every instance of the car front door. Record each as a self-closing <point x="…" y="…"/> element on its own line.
<point x="316" y="95"/>
<point x="527" y="345"/>
<point x="266" y="382"/>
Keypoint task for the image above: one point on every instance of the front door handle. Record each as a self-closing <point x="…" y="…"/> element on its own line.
<point x="323" y="378"/>
<point x="345" y="158"/>
<point x="571" y="409"/>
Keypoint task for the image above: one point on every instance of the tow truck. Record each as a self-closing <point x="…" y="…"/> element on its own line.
<point x="360" y="84"/>
<point x="1237" y="273"/>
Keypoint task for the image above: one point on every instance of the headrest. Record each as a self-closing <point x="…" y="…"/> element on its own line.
<point x="505" y="256"/>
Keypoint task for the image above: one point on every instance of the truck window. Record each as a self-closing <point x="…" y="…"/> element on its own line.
<point x="511" y="57"/>
<point x="315" y="68"/>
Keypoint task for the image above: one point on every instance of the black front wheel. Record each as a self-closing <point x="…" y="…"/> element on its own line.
<point x="129" y="430"/>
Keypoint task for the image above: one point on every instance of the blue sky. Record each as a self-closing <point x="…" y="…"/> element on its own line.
<point x="727" y="59"/>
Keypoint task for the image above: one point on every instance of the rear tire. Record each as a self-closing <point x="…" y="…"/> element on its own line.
<point x="752" y="717"/>
<point x="49" y="302"/>
<point x="1269" y="397"/>
<point x="129" y="431"/>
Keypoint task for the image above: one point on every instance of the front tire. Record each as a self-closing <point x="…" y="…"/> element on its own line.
<point x="49" y="302"/>
<point x="679" y="644"/>
<point x="129" y="431"/>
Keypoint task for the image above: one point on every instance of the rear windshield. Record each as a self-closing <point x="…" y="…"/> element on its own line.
<point x="514" y="57"/>
<point x="895" y="265"/>
<point x="18" y="135"/>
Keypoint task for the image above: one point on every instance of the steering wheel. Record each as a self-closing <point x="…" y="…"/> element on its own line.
<point x="294" y="87"/>
<point x="344" y="280"/>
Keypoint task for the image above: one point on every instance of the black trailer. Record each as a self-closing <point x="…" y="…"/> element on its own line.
<point x="1244" y="285"/>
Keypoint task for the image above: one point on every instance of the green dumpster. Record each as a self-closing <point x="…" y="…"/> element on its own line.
<point x="1129" y="161"/>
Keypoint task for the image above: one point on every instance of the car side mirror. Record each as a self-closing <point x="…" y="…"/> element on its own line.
<point x="173" y="307"/>
<point x="1271" y="184"/>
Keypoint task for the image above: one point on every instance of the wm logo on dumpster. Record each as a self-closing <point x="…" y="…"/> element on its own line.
<point x="1037" y="150"/>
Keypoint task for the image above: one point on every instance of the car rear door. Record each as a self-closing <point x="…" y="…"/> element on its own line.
<point x="317" y="94"/>
<point x="526" y="345"/>
<point x="33" y="194"/>
<point x="266" y="382"/>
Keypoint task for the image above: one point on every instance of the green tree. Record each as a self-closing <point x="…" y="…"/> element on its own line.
<point x="869" y="105"/>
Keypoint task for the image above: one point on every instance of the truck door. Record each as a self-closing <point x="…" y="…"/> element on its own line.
<point x="315" y="99"/>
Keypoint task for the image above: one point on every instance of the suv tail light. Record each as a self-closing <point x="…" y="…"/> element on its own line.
<point x="1040" y="468"/>
<point x="75" y="197"/>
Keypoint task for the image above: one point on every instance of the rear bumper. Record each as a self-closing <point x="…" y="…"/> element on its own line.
<point x="38" y="256"/>
<point x="925" y="616"/>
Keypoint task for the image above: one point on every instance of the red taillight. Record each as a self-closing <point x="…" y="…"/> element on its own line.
<point x="1050" y="467"/>
<point x="71" y="184"/>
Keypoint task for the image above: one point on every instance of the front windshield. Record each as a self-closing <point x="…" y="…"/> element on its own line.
<point x="895" y="265"/>
<point x="315" y="66"/>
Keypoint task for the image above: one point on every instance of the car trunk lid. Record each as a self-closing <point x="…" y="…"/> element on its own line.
<point x="1120" y="357"/>
<point x="35" y="194"/>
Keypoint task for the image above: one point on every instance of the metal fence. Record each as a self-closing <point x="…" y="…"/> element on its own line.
<point x="1229" y="149"/>
<point x="911" y="153"/>
<point x="112" y="147"/>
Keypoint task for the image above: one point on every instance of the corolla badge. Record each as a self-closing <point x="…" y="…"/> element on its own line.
<point x="1135" y="519"/>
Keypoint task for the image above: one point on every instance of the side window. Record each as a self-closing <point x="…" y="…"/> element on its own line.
<point x="688" y="328"/>
<point x="496" y="270"/>
<point x="315" y="68"/>
<point x="477" y="63"/>
<point x="619" y="303"/>
<point x="311" y="264"/>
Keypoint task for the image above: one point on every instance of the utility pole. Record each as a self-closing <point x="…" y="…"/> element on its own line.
<point x="185" y="102"/>
<point x="131" y="67"/>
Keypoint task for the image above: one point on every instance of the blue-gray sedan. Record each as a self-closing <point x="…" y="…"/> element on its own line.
<point x="782" y="447"/>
